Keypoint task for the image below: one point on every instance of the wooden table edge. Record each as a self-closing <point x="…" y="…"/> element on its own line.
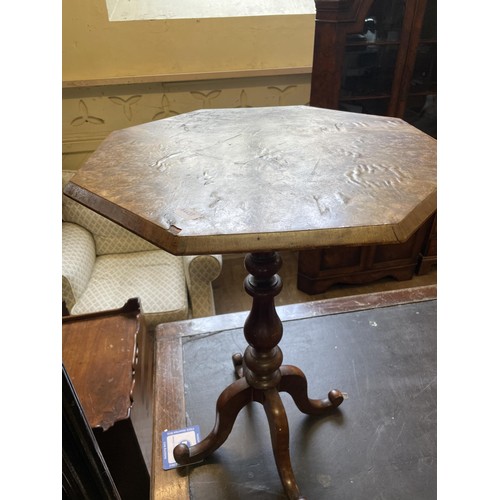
<point x="168" y="384"/>
<point x="302" y="310"/>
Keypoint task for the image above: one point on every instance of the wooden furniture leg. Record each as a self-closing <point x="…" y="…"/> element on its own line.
<point x="261" y="376"/>
<point x="294" y="382"/>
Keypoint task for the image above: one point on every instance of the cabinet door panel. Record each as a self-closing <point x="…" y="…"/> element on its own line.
<point x="368" y="70"/>
<point x="424" y="79"/>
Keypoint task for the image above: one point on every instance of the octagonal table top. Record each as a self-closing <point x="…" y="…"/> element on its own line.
<point x="261" y="179"/>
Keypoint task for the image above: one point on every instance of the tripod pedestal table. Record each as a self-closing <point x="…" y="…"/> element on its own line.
<point x="257" y="181"/>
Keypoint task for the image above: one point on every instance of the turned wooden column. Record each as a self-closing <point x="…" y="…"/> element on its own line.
<point x="263" y="328"/>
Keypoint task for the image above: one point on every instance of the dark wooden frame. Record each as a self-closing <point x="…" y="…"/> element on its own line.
<point x="335" y="20"/>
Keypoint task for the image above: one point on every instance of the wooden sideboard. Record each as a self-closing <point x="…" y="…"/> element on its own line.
<point x="108" y="357"/>
<point x="428" y="254"/>
<point x="320" y="269"/>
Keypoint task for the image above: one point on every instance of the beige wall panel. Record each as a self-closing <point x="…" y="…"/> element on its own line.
<point x="95" y="48"/>
<point x="89" y="114"/>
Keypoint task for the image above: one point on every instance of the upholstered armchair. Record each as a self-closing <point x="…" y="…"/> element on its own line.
<point x="103" y="265"/>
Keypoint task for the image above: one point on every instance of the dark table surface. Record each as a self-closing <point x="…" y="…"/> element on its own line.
<point x="381" y="442"/>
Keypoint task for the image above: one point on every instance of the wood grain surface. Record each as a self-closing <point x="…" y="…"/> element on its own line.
<point x="255" y="179"/>
<point x="99" y="353"/>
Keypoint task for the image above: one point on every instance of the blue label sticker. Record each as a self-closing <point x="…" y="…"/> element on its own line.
<point x="171" y="438"/>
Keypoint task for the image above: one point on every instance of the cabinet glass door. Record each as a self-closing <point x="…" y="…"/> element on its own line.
<point x="390" y="68"/>
<point x="371" y="58"/>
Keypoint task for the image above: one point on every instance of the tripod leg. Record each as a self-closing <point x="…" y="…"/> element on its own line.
<point x="278" y="425"/>
<point x="229" y="404"/>
<point x="294" y="382"/>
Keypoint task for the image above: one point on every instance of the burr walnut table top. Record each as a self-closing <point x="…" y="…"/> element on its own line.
<point x="256" y="179"/>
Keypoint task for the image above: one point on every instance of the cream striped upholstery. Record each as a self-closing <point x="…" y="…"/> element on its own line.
<point x="78" y="259"/>
<point x="156" y="277"/>
<point x="104" y="265"/>
<point x="108" y="236"/>
<point x="200" y="271"/>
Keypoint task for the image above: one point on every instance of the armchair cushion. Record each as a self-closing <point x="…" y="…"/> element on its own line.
<point x="200" y="271"/>
<point x="78" y="258"/>
<point x="157" y="277"/>
<point x="115" y="265"/>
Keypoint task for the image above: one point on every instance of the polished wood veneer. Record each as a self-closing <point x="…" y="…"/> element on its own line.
<point x="263" y="179"/>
